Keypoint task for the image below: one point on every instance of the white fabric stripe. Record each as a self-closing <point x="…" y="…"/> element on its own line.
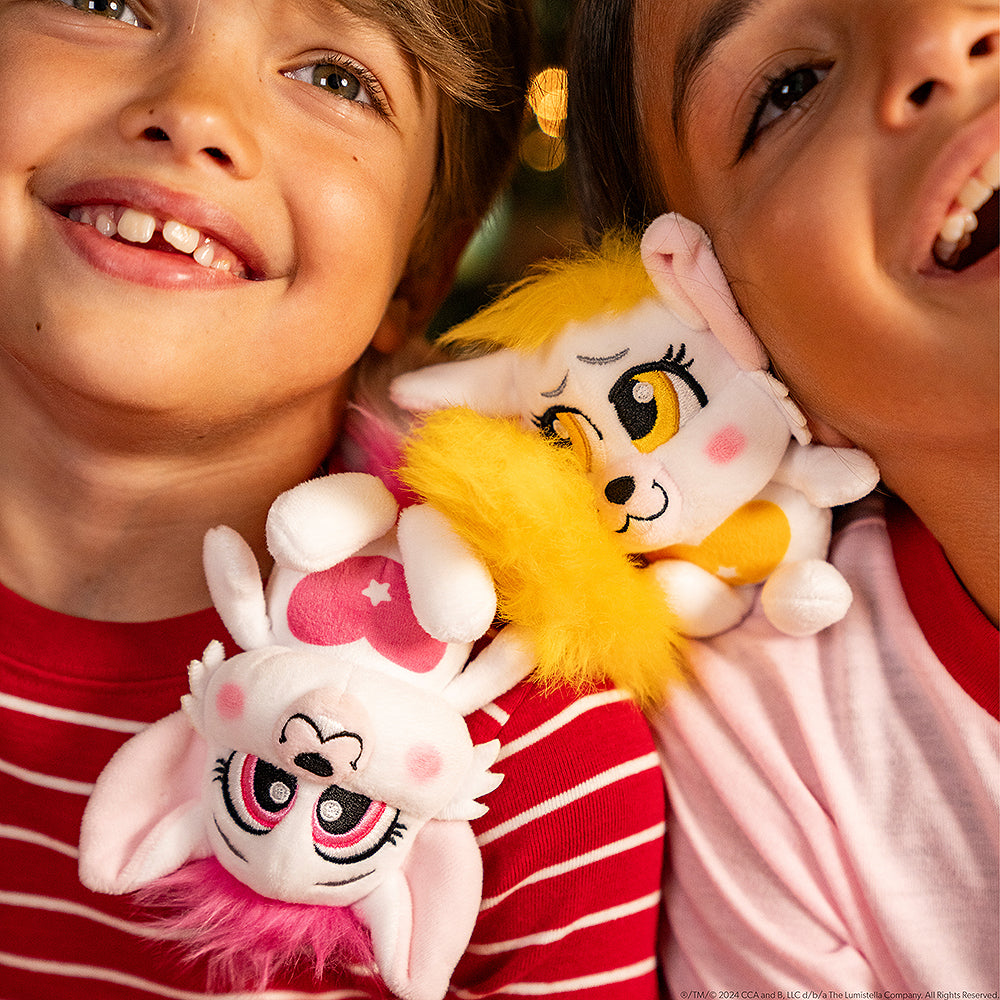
<point x="53" y="905"/>
<point x="582" y="861"/>
<point x="594" y="981"/>
<point x="43" y="711"/>
<point x="579" y="707"/>
<point x="612" y="913"/>
<point x="99" y="974"/>
<point x="496" y="713"/>
<point x="637" y="766"/>
<point x="39" y="839"/>
<point x="46" y="780"/>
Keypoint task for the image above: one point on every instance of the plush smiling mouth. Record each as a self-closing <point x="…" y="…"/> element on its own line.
<point x="130" y="225"/>
<point x="972" y="228"/>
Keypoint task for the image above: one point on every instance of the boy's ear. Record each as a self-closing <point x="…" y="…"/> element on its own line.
<point x="424" y="285"/>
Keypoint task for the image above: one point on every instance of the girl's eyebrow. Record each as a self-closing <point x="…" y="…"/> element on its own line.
<point x="718" y="20"/>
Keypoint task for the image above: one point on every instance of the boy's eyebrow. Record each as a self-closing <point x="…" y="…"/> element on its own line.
<point x="721" y="17"/>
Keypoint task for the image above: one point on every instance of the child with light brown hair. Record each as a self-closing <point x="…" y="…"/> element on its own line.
<point x="210" y="210"/>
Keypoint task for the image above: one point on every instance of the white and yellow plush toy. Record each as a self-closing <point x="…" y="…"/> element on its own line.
<point x="637" y="359"/>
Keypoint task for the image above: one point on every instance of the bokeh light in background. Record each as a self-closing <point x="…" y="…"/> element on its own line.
<point x="533" y="219"/>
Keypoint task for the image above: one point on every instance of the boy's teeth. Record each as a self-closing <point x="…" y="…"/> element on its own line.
<point x="991" y="171"/>
<point x="181" y="237"/>
<point x="136" y="226"/>
<point x="139" y="227"/>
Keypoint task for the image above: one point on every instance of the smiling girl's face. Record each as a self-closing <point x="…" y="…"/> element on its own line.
<point x="144" y="144"/>
<point x="827" y="146"/>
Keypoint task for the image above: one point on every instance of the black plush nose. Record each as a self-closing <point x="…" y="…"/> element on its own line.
<point x="620" y="490"/>
<point x="314" y="763"/>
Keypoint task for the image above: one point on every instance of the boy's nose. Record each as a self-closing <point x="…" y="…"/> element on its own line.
<point x="195" y="116"/>
<point x="936" y="50"/>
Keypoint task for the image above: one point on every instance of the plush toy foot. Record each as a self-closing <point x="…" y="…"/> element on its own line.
<point x="704" y="604"/>
<point x="803" y="598"/>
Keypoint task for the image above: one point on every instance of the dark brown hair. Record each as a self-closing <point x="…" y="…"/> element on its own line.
<point x="608" y="159"/>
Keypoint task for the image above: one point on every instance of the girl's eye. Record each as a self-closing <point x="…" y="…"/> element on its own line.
<point x="349" y="827"/>
<point x="780" y="94"/>
<point x="113" y="10"/>
<point x="257" y="794"/>
<point x="342" y="79"/>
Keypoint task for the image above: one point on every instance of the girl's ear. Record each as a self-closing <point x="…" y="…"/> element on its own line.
<point x="682" y="265"/>
<point x="429" y="275"/>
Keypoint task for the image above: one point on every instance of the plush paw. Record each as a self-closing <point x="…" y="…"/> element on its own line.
<point x="703" y="604"/>
<point x="803" y="598"/>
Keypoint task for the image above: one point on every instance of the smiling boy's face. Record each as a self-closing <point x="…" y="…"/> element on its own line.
<point x="824" y="145"/>
<point x="280" y="153"/>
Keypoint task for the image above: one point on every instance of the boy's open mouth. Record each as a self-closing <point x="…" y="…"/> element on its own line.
<point x="972" y="228"/>
<point x="130" y="225"/>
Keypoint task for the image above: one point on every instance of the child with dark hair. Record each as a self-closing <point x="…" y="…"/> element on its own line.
<point x="833" y="819"/>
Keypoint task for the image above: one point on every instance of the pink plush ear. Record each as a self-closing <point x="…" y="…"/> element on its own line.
<point x="678" y="256"/>
<point x="143" y="819"/>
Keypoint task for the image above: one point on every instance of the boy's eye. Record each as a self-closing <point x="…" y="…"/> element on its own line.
<point x="343" y="79"/>
<point x="780" y="93"/>
<point x="113" y="10"/>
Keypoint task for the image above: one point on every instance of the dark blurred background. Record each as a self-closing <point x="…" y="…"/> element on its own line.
<point x="533" y="219"/>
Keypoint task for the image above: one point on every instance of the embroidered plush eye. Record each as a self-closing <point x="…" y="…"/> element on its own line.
<point x="569" y="428"/>
<point x="348" y="827"/>
<point x="257" y="794"/>
<point x="653" y="400"/>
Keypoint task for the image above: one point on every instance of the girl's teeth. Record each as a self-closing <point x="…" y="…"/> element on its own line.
<point x="136" y="226"/>
<point x="974" y="194"/>
<point x="181" y="237"/>
<point x="958" y="225"/>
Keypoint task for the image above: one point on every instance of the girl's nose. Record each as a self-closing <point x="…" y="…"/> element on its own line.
<point x="936" y="50"/>
<point x="195" y="116"/>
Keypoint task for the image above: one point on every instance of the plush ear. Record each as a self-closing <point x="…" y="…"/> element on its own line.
<point x="321" y="522"/>
<point x="678" y="256"/>
<point x="233" y="578"/>
<point x="444" y="878"/>
<point x="451" y="591"/>
<point x="144" y="818"/>
<point x="486" y="384"/>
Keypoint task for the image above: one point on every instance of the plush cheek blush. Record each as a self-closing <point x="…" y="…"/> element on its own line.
<point x="725" y="445"/>
<point x="423" y="763"/>
<point x="229" y="701"/>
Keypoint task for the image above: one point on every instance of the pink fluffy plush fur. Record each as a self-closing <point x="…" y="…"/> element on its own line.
<point x="246" y="938"/>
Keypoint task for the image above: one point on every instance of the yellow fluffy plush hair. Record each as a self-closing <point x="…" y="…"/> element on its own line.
<point x="527" y="509"/>
<point x="532" y="311"/>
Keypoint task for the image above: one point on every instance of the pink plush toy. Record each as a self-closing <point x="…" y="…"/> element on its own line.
<point x="328" y="764"/>
<point x="639" y="361"/>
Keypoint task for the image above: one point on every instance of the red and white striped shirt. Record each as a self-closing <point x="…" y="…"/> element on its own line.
<point x="572" y="842"/>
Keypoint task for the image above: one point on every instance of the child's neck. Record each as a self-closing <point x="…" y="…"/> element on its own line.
<point x="956" y="493"/>
<point x="93" y="528"/>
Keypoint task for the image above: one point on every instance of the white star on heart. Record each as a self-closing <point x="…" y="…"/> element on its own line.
<point x="377" y="593"/>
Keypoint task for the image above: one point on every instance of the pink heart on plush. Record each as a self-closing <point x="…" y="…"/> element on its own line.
<point x="364" y="597"/>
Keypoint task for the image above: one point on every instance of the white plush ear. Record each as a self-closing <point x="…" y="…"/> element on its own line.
<point x="319" y="523"/>
<point x="234" y="582"/>
<point x="451" y="591"/>
<point x="144" y="817"/>
<point x="444" y="885"/>
<point x="679" y="258"/>
<point x="486" y="385"/>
